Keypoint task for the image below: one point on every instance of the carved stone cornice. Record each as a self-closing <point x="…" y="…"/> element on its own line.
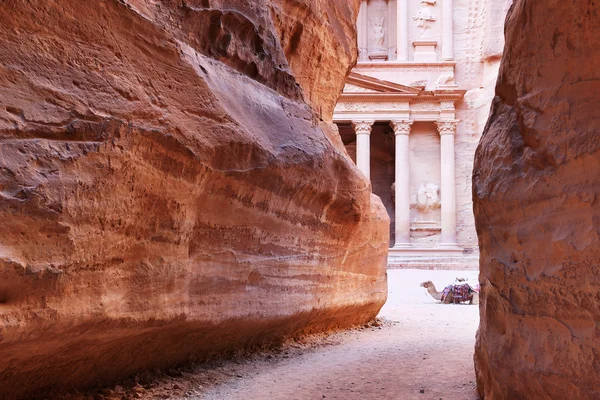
<point x="401" y="127"/>
<point x="406" y="65"/>
<point x="363" y="127"/>
<point x="436" y="96"/>
<point x="447" y="127"/>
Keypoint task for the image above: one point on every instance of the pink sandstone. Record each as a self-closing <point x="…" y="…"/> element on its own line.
<point x="171" y="188"/>
<point x="536" y="195"/>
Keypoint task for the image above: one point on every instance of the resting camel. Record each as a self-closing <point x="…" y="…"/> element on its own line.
<point x="473" y="298"/>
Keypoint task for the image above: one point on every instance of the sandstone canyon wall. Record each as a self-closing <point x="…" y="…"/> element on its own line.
<point x="168" y="187"/>
<point x="536" y="189"/>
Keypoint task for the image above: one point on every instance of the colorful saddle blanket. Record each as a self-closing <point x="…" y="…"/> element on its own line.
<point x="460" y="292"/>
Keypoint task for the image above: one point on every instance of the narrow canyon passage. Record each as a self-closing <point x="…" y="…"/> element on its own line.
<point x="421" y="345"/>
<point x="193" y="180"/>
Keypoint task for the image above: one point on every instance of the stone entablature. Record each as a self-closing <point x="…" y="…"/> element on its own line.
<point x="366" y="97"/>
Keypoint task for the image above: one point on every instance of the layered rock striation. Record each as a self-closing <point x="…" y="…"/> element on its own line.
<point x="168" y="187"/>
<point x="536" y="188"/>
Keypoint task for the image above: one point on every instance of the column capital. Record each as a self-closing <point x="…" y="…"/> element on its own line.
<point x="363" y="127"/>
<point x="401" y="127"/>
<point x="447" y="127"/>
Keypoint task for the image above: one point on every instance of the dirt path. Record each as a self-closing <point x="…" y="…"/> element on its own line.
<point x="423" y="350"/>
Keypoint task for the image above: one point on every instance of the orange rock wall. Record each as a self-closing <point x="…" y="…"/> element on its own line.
<point x="166" y="193"/>
<point x="536" y="188"/>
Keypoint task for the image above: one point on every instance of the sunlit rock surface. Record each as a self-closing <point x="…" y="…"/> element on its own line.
<point x="168" y="189"/>
<point x="537" y="206"/>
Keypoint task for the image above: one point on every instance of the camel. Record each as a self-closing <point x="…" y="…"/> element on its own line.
<point x="472" y="299"/>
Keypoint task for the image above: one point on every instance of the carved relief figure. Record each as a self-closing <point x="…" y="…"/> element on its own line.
<point x="377" y="32"/>
<point x="445" y="80"/>
<point x="422" y="83"/>
<point x="428" y="198"/>
<point x="425" y="16"/>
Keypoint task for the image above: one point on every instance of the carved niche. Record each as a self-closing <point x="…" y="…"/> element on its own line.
<point x="377" y="34"/>
<point x="378" y="29"/>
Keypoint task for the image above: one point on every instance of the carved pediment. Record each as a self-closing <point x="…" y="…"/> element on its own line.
<point x="358" y="83"/>
<point x="350" y="88"/>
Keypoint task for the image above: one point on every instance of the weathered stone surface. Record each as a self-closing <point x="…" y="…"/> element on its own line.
<point x="537" y="205"/>
<point x="166" y="192"/>
<point x="478" y="27"/>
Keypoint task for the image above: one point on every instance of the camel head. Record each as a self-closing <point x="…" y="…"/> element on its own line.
<point x="426" y="284"/>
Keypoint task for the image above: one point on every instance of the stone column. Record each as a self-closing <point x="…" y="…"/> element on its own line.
<point x="363" y="145"/>
<point x="447" y="130"/>
<point x="402" y="30"/>
<point x="402" y="192"/>
<point x="447" y="31"/>
<point x="363" y="32"/>
<point x="391" y="11"/>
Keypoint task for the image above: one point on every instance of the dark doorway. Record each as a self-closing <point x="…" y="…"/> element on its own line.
<point x="382" y="163"/>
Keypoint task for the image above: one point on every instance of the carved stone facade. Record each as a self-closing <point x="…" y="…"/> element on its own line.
<point x="418" y="100"/>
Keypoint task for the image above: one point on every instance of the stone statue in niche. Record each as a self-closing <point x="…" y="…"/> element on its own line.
<point x="425" y="16"/>
<point x="428" y="198"/>
<point x="378" y="33"/>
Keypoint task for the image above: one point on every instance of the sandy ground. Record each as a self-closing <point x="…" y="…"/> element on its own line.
<point x="420" y="350"/>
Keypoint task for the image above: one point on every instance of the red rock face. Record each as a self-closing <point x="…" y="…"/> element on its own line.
<point x="537" y="205"/>
<point x="165" y="190"/>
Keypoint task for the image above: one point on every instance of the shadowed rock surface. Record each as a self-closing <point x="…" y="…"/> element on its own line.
<point x="537" y="204"/>
<point x="166" y="193"/>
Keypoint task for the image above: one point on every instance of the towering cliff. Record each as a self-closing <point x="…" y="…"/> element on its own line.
<point x="168" y="187"/>
<point x="536" y="189"/>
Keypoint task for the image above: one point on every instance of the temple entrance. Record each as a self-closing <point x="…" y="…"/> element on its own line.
<point x="432" y="93"/>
